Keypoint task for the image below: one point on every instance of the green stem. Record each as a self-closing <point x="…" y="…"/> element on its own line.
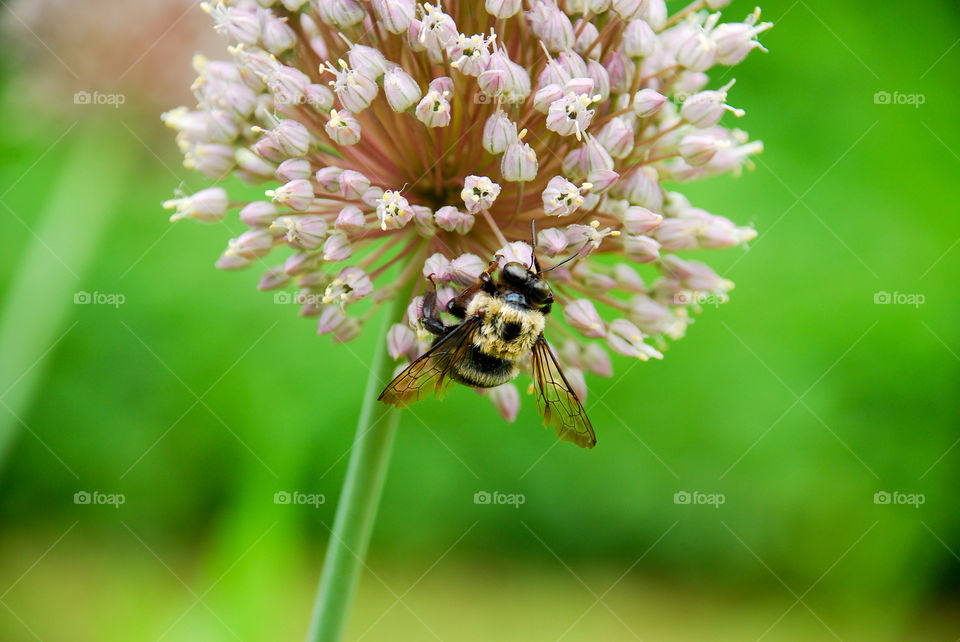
<point x="360" y="496"/>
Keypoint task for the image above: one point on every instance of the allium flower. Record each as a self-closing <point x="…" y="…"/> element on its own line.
<point x="570" y="116"/>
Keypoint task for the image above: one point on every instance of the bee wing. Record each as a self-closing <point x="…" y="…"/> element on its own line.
<point x="557" y="401"/>
<point x="431" y="367"/>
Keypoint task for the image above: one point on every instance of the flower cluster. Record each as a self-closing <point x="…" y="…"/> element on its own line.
<point x="401" y="141"/>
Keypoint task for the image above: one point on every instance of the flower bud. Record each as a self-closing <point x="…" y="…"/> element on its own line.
<point x="650" y="316"/>
<point x="297" y="194"/>
<point x="627" y="278"/>
<point x="601" y="79"/>
<point x="626" y="338"/>
<point x="339" y="13"/>
<point x="641" y="249"/>
<point x="293" y="169"/>
<point x="582" y="316"/>
<point x="437" y="266"/>
<point x="627" y="9"/>
<point x="300" y="262"/>
<point x="588" y="35"/>
<point x="639" y="41"/>
<point x="704" y="109"/>
<point x="207" y="205"/>
<point x="240" y="26"/>
<point x="350" y="219"/>
<point x="617" y="137"/>
<point x="213" y="161"/>
<point x="319" y="97"/>
<point x="698" y="52"/>
<point x="506" y="399"/>
<point x="519" y="163"/>
<point x="368" y="61"/>
<point x="642" y="187"/>
<point x="289" y="136"/>
<point x="621" y="70"/>
<point x="597" y="361"/>
<point x="498" y="132"/>
<point x="273" y="279"/>
<point x="401" y="90"/>
<point x="371" y="198"/>
<point x="400" y="340"/>
<point x="328" y="178"/>
<point x="737" y="39"/>
<point x="655" y="13"/>
<point x="639" y="220"/>
<point x="466" y="269"/>
<point x="352" y="184"/>
<point x="451" y="219"/>
<point x="337" y="248"/>
<point x="502" y="8"/>
<point x="253" y="244"/>
<point x="546" y="96"/>
<point x="699" y="149"/>
<point x="331" y="318"/>
<point x="648" y="102"/>
<point x="254" y="167"/>
<point x="277" y="37"/>
<point x="505" y="78"/>
<point x="342" y="127"/>
<point x="302" y="232"/>
<point x="552" y="241"/>
<point x="551" y="25"/>
<point x="601" y="180"/>
<point x="258" y="214"/>
<point x="394" y="15"/>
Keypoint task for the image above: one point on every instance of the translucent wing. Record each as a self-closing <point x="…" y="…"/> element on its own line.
<point x="558" y="402"/>
<point x="414" y="383"/>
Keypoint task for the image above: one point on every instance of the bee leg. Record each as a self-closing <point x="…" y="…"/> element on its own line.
<point x="436" y="327"/>
<point x="486" y="278"/>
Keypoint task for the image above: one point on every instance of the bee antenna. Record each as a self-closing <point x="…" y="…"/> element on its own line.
<point x="566" y="260"/>
<point x="533" y="245"/>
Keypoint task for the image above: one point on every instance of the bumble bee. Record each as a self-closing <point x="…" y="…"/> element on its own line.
<point x="501" y="322"/>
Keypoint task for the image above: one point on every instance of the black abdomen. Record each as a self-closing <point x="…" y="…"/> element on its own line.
<point x="481" y="370"/>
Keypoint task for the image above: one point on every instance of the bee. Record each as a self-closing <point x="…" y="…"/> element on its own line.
<point x="501" y="322"/>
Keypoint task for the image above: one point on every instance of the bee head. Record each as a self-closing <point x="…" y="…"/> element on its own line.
<point x="521" y="278"/>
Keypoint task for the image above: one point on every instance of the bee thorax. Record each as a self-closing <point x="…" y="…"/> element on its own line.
<point x="506" y="331"/>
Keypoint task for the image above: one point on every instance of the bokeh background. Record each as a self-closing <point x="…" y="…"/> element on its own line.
<point x="198" y="398"/>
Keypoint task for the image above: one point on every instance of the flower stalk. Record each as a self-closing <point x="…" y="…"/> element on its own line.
<point x="360" y="496"/>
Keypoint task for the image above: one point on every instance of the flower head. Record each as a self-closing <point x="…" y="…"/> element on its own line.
<point x="492" y="116"/>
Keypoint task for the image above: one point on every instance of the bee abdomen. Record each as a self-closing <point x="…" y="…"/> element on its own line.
<point x="482" y="370"/>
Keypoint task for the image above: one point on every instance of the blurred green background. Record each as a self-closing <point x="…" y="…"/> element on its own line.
<point x="198" y="398"/>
